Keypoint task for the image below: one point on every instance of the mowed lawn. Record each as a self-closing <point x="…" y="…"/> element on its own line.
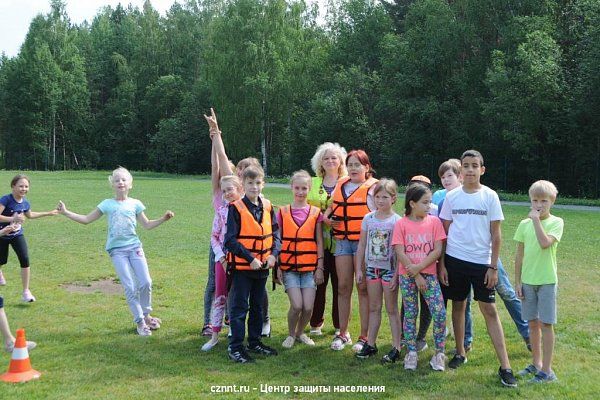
<point x="87" y="346"/>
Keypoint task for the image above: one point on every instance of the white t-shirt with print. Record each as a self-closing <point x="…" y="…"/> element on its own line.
<point x="379" y="252"/>
<point x="469" y="236"/>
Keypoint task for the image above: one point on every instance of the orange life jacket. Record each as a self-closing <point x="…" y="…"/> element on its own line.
<point x="298" y="243"/>
<point x="350" y="210"/>
<point x="256" y="238"/>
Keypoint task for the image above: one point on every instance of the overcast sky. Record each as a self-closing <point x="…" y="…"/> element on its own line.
<point x="16" y="15"/>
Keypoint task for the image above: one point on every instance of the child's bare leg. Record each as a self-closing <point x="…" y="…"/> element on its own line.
<point x="344" y="266"/>
<point x="391" y="306"/>
<point x="5" y="329"/>
<point x="494" y="328"/>
<point x="308" y="300"/>
<point x="535" y="336"/>
<point x="363" y="308"/>
<point x="375" y="293"/>
<point x="295" y="296"/>
<point x="458" y="322"/>
<point x="25" y="275"/>
<point x="547" y="347"/>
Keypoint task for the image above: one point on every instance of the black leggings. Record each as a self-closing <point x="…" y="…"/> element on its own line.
<point x="19" y="245"/>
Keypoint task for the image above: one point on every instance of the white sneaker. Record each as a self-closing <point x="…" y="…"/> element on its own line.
<point x="210" y="344"/>
<point x="306" y="340"/>
<point x="438" y="362"/>
<point x="288" y="343"/>
<point x="266" y="329"/>
<point x="27" y="296"/>
<point x="411" y="360"/>
<point x="2" y="280"/>
<point x="142" y="329"/>
<point x="316" y="331"/>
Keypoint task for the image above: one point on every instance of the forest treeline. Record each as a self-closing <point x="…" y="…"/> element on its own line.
<point x="413" y="82"/>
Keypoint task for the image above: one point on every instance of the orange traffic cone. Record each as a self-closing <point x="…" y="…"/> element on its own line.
<point x="19" y="369"/>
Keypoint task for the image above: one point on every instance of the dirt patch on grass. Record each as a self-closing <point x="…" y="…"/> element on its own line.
<point x="106" y="286"/>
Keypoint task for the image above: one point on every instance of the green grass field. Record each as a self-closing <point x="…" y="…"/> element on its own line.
<point x="87" y="347"/>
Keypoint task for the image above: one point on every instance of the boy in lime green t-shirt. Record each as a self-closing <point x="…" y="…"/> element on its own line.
<point x="536" y="278"/>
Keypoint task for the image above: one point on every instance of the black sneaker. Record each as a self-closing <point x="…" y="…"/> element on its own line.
<point x="240" y="356"/>
<point x="507" y="378"/>
<point x="457" y="361"/>
<point x="367" y="351"/>
<point x="262" y="349"/>
<point x="392" y="356"/>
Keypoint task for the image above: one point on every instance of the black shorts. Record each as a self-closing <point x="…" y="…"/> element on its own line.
<point x="462" y="275"/>
<point x="1" y="302"/>
<point x="19" y="245"/>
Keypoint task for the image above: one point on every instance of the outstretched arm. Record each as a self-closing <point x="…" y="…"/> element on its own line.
<point x="33" y="215"/>
<point x="82" y="219"/>
<point x="153" y="223"/>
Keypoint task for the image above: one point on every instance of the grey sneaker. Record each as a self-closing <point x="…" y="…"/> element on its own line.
<point x="411" y="360"/>
<point x="438" y="362"/>
<point x="421" y="345"/>
<point x="542" y="377"/>
<point x="530" y="369"/>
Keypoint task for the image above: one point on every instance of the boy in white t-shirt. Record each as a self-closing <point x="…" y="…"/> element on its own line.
<point x="472" y="215"/>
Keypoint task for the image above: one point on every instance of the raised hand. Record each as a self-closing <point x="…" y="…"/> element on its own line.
<point x="213" y="125"/>
<point x="534" y="213"/>
<point x="168" y="215"/>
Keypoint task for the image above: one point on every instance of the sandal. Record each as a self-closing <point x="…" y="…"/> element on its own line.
<point x="206" y="330"/>
<point x="153" y="322"/>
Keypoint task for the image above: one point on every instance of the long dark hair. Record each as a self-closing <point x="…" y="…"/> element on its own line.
<point x="414" y="193"/>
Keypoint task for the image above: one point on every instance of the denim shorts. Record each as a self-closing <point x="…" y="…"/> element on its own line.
<point x="302" y="280"/>
<point x="379" y="275"/>
<point x="345" y="247"/>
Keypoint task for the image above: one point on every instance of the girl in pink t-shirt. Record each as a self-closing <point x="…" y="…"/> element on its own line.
<point x="417" y="241"/>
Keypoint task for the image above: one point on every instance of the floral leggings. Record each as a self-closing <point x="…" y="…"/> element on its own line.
<point x="435" y="301"/>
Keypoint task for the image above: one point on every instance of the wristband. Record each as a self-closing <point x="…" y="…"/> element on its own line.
<point x="494" y="268"/>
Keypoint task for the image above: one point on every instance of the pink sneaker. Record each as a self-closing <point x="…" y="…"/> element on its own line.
<point x="27" y="296"/>
<point x="2" y="280"/>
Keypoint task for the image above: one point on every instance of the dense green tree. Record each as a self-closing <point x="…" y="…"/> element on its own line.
<point x="414" y="82"/>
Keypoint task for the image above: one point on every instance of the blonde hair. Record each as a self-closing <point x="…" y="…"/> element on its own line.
<point x="451" y="164"/>
<point x="245" y="163"/>
<point x="233" y="179"/>
<point x="543" y="188"/>
<point x="389" y="185"/>
<point x="303" y="175"/>
<point x="124" y="171"/>
<point x="316" y="161"/>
